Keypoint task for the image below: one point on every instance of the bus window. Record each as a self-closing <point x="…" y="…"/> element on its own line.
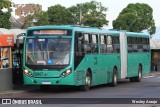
<point x="103" y="44"/>
<point x="102" y="39"/>
<point x="86" y="38"/>
<point x="94" y="43"/>
<point x="140" y="49"/>
<point x="134" y="44"/>
<point x="145" y="42"/>
<point x="109" y="44"/>
<point x="78" y="43"/>
<point x="116" y="45"/>
<point x="86" y="44"/>
<point x="129" y="41"/>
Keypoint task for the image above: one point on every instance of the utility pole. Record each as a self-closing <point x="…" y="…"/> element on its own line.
<point x="80" y="17"/>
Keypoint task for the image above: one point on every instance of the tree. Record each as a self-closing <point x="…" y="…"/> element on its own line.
<point x="90" y="14"/>
<point x="59" y="15"/>
<point x="135" y="18"/>
<point x="39" y="18"/>
<point x="42" y="19"/>
<point x="5" y="16"/>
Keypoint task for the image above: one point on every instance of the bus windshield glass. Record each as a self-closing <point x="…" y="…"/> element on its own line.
<point x="48" y="51"/>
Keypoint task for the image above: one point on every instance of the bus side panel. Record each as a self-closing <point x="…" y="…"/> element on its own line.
<point x="89" y="62"/>
<point x="146" y="63"/>
<point x="80" y="72"/>
<point x="134" y="59"/>
<point x="109" y="61"/>
<point x="101" y="70"/>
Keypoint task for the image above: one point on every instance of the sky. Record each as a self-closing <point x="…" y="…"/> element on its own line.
<point x="114" y="6"/>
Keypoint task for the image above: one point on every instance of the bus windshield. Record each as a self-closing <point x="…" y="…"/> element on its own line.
<point x="48" y="51"/>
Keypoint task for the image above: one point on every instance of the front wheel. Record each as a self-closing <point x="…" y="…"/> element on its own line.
<point x="88" y="82"/>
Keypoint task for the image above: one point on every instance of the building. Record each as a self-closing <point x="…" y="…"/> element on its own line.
<point x="21" y="11"/>
<point x="155" y="54"/>
<point x="15" y="23"/>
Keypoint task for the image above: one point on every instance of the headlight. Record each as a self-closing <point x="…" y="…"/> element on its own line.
<point x="27" y="73"/>
<point x="66" y="73"/>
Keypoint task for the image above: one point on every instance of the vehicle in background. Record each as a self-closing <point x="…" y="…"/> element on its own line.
<point x="17" y="52"/>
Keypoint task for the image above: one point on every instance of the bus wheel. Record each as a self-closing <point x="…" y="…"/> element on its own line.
<point x="87" y="82"/>
<point x="132" y="79"/>
<point x="114" y="78"/>
<point x="44" y="87"/>
<point x="139" y="77"/>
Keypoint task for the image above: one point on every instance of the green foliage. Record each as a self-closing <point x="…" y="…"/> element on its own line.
<point x="59" y="15"/>
<point x="42" y="19"/>
<point x="90" y="14"/>
<point x="5" y="16"/>
<point x="135" y="18"/>
<point x="28" y="22"/>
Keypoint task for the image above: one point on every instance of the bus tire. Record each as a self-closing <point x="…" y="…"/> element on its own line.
<point x="44" y="87"/>
<point x="132" y="79"/>
<point x="139" y="77"/>
<point x="88" y="81"/>
<point x="114" y="78"/>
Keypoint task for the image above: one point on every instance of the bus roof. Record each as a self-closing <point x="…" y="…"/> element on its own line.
<point x="91" y="29"/>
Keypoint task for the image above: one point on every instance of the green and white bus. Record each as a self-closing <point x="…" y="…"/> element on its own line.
<point x="83" y="56"/>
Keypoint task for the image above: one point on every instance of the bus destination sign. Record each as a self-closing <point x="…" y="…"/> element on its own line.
<point x="50" y="32"/>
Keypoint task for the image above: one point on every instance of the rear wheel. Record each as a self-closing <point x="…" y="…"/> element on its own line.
<point x="88" y="81"/>
<point x="132" y="79"/>
<point x="114" y="78"/>
<point x="139" y="77"/>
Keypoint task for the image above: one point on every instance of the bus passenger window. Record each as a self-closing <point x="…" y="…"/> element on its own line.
<point x="129" y="42"/>
<point x="94" y="43"/>
<point x="103" y="48"/>
<point x="140" y="46"/>
<point x="86" y="44"/>
<point x="116" y="45"/>
<point x="145" y="44"/>
<point x="148" y="49"/>
<point x="135" y="44"/>
<point x="86" y="38"/>
<point x="109" y="44"/>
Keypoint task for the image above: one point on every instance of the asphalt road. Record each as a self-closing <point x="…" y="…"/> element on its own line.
<point x="147" y="89"/>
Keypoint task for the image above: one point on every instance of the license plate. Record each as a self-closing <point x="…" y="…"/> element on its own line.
<point x="46" y="82"/>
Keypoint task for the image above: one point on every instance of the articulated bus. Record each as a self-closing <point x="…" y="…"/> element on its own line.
<point x="70" y="55"/>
